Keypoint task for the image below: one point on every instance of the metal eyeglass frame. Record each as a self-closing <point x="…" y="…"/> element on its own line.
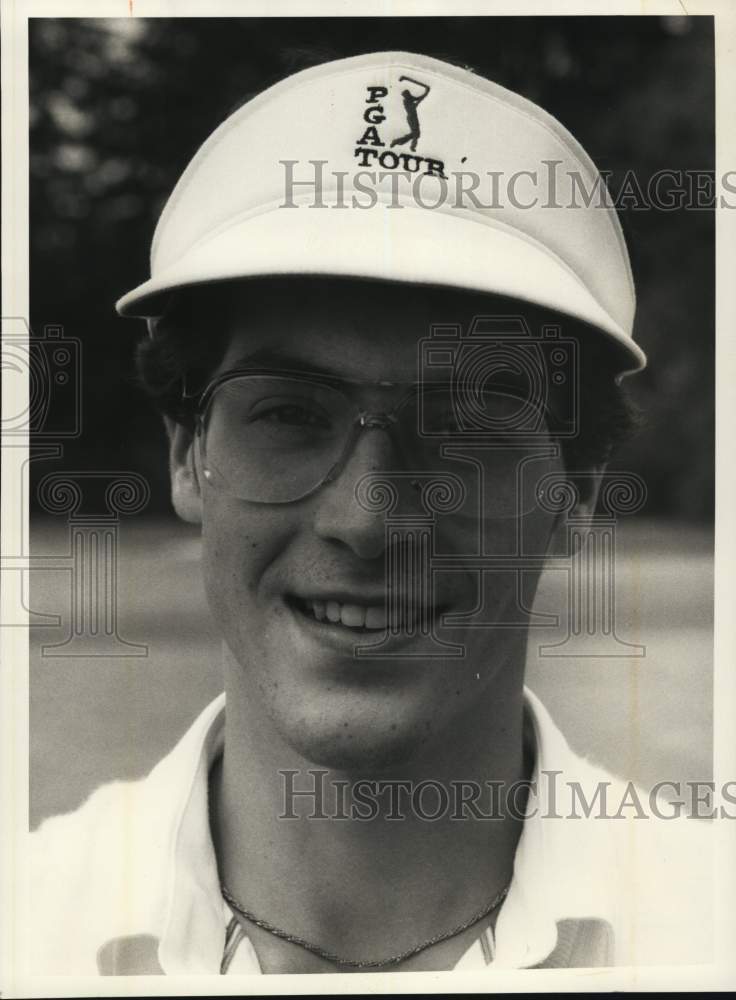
<point x="364" y="420"/>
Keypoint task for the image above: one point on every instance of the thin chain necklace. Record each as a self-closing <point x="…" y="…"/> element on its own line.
<point x="367" y="964"/>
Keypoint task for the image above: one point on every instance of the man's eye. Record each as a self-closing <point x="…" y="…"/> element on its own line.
<point x="291" y="415"/>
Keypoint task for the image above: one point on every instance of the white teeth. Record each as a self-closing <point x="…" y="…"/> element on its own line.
<point x="356" y="616"/>
<point x="350" y="615"/>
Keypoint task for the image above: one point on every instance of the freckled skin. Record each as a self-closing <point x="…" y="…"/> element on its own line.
<point x="254" y="553"/>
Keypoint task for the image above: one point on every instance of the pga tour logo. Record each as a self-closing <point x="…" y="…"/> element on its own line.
<point x="393" y="129"/>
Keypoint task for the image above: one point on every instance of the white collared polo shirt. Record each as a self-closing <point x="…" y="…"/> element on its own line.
<point x="128" y="883"/>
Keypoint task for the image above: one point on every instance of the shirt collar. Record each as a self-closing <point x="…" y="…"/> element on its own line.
<point x="193" y="934"/>
<point x="526" y="928"/>
<point x="544" y="887"/>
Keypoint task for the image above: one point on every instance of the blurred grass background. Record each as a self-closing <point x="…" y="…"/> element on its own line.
<point x="117" y="109"/>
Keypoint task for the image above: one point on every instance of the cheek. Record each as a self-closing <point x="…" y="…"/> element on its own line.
<point x="526" y="536"/>
<point x="240" y="541"/>
<point x="498" y="520"/>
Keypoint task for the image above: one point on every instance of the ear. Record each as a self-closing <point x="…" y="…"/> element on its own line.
<point x="587" y="487"/>
<point x="186" y="495"/>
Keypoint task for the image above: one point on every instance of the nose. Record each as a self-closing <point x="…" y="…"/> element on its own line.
<point x="339" y="516"/>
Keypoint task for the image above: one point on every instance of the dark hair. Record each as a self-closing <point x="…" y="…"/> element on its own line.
<point x="185" y="348"/>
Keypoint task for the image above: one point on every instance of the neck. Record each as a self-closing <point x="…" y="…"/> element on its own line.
<point x="292" y="860"/>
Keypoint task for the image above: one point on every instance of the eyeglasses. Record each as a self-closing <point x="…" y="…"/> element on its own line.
<point x="278" y="436"/>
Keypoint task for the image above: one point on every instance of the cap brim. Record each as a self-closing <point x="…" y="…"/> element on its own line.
<point x="392" y="243"/>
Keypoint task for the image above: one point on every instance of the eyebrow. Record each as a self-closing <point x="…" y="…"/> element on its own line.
<point x="270" y="358"/>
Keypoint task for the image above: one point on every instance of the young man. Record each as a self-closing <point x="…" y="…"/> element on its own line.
<point x="376" y="377"/>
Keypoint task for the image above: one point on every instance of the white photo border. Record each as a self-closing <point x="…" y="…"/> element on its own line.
<point x="15" y="916"/>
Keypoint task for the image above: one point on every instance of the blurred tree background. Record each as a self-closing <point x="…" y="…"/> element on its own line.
<point x="119" y="106"/>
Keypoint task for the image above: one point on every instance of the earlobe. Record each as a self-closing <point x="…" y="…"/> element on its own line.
<point x="186" y="496"/>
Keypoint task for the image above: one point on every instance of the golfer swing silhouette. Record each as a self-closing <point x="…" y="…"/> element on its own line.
<point x="412" y="119"/>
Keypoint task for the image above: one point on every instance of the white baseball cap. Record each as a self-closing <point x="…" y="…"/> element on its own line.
<point x="399" y="167"/>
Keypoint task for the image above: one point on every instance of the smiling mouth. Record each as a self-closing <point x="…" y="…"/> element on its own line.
<point x="360" y="617"/>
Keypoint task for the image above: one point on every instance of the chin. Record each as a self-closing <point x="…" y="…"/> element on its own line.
<point x="362" y="748"/>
